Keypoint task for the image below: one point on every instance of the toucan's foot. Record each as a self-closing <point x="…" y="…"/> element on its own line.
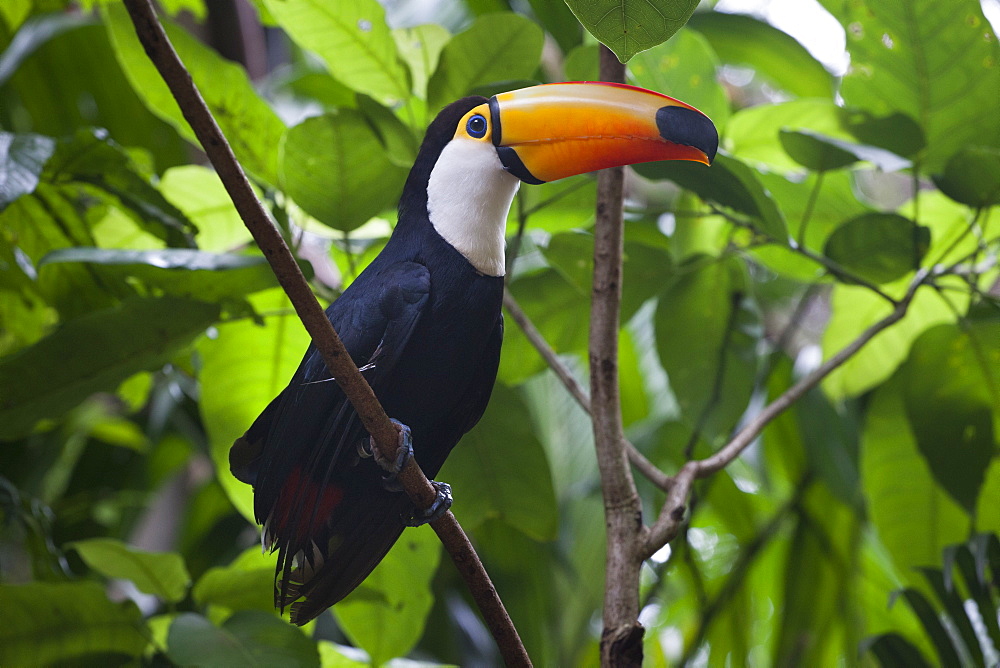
<point x="404" y="451"/>
<point x="441" y="504"/>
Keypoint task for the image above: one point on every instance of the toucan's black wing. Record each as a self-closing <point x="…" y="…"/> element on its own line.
<point x="312" y="490"/>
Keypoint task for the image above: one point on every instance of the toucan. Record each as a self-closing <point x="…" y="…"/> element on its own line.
<point x="423" y="322"/>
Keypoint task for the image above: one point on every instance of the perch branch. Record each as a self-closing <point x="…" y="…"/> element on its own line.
<point x="161" y="52"/>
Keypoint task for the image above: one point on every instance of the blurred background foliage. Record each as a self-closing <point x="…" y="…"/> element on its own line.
<point x="141" y="331"/>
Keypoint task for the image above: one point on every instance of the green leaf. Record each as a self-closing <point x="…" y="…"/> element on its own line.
<point x="947" y="381"/>
<point x="684" y="68"/>
<point x="337" y="170"/>
<point x="814" y="152"/>
<point x="182" y="272"/>
<point x="353" y="40"/>
<point x="495" y="48"/>
<point x="895" y="132"/>
<point x="401" y="145"/>
<point x="893" y="650"/>
<point x="248" y="638"/>
<point x="250" y="125"/>
<point x="95" y="353"/>
<point x="914" y="518"/>
<point x="937" y="62"/>
<point x="92" y="158"/>
<point x="499" y="470"/>
<point x="820" y="153"/>
<point x="854" y="309"/>
<point x="932" y="625"/>
<point x="706" y="332"/>
<point x="583" y="63"/>
<point x="47" y="623"/>
<point x="386" y="614"/>
<point x="23" y="156"/>
<point x="972" y="176"/>
<point x="160" y="574"/>
<point x="630" y="26"/>
<point x="247" y="583"/>
<point x="879" y="247"/>
<point x="198" y="192"/>
<point x="244" y="366"/>
<point x="750" y="42"/>
<point x="728" y="182"/>
<point x="558" y="21"/>
<point x="752" y="134"/>
<point x="420" y="47"/>
<point x="558" y="309"/>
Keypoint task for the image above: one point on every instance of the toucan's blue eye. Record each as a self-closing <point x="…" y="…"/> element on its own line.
<point x="476" y="126"/>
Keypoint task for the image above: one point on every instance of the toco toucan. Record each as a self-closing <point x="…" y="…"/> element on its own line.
<point x="423" y="321"/>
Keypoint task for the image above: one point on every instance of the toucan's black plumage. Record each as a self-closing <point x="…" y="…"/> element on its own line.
<point x="428" y="326"/>
<point x="423" y="321"/>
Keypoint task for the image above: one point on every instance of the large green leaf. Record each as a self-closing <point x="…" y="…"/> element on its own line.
<point x="630" y="26"/>
<point x="752" y="134"/>
<point x="182" y="272"/>
<point x="198" y="192"/>
<point x="495" y="48"/>
<point x="952" y="397"/>
<point x="728" y="182"/>
<point x="499" y="470"/>
<point x="750" y="42"/>
<point x="248" y="638"/>
<point x="160" y="574"/>
<point x="854" y="309"/>
<point x="94" y="353"/>
<point x="353" y="40"/>
<point x="972" y="176"/>
<point x="247" y="583"/>
<point x="820" y="153"/>
<point x="914" y="518"/>
<point x="48" y="623"/>
<point x="386" y="614"/>
<point x="706" y="332"/>
<point x="879" y="247"/>
<point x="420" y="47"/>
<point x="93" y="159"/>
<point x="23" y="156"/>
<point x="937" y="62"/>
<point x="244" y="366"/>
<point x="684" y="68"/>
<point x="337" y="170"/>
<point x="250" y="125"/>
<point x="73" y="81"/>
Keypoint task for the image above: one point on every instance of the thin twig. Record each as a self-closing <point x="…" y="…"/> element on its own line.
<point x="325" y="338"/>
<point x="672" y="513"/>
<point x="638" y="460"/>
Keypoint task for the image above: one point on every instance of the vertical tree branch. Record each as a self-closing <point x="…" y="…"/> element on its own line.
<point x="621" y="640"/>
<point x="161" y="52"/>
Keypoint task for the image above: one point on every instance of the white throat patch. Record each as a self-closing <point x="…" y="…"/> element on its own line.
<point x="468" y="196"/>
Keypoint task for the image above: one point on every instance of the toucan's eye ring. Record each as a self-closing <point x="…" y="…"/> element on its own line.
<point x="476" y="126"/>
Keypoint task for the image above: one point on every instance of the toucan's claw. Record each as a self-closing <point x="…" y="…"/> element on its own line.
<point x="441" y="505"/>
<point x="404" y="451"/>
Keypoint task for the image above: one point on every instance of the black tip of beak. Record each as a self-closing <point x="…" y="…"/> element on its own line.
<point x="680" y="125"/>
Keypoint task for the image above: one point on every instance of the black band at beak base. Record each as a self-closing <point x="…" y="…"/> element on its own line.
<point x="512" y="163"/>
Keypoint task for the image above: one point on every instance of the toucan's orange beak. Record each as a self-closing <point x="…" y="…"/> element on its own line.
<point x="552" y="131"/>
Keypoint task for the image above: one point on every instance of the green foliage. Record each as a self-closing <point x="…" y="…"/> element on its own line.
<point x="141" y="333"/>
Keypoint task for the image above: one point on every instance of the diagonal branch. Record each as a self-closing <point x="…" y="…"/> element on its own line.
<point x="638" y="460"/>
<point x="339" y="363"/>
<point x="672" y="513"/>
